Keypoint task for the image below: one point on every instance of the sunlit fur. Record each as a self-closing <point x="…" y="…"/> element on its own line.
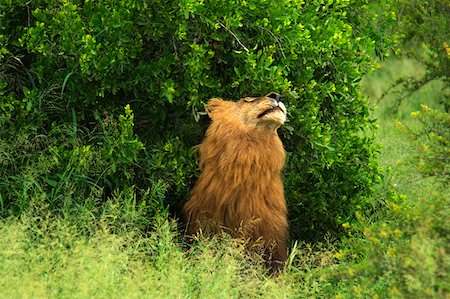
<point x="240" y="189"/>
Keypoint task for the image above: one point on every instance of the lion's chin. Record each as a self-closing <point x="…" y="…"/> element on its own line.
<point x="273" y="117"/>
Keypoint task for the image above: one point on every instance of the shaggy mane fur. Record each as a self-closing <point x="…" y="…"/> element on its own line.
<point x="240" y="189"/>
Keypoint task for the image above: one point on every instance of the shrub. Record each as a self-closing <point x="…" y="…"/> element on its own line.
<point x="432" y="141"/>
<point x="166" y="59"/>
<point x="65" y="166"/>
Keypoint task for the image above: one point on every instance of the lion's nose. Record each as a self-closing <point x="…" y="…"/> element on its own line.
<point x="274" y="95"/>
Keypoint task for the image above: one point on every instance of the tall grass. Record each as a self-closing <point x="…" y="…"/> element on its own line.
<point x="46" y="256"/>
<point x="401" y="251"/>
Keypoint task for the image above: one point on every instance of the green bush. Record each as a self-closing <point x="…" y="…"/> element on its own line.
<point x="432" y="141"/>
<point x="64" y="165"/>
<point x="64" y="62"/>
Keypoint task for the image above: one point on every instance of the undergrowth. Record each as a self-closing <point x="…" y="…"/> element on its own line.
<point x="51" y="256"/>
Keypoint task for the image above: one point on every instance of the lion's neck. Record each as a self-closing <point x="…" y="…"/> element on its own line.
<point x="237" y="160"/>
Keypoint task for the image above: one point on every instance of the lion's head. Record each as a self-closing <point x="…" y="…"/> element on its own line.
<point x="266" y="112"/>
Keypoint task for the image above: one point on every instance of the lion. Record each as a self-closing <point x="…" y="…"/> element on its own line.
<point x="240" y="189"/>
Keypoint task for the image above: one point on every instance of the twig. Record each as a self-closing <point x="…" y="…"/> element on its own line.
<point x="411" y="85"/>
<point x="276" y="39"/>
<point x="234" y="35"/>
<point x="401" y="13"/>
<point x="175" y="47"/>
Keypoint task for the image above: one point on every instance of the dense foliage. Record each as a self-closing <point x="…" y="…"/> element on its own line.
<point x="69" y="67"/>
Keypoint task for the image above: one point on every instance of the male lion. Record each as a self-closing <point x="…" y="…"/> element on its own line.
<point x="240" y="189"/>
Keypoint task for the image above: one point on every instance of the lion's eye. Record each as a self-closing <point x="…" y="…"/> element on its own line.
<point x="249" y="99"/>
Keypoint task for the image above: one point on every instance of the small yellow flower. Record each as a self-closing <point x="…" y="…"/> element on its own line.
<point x="374" y="240"/>
<point x="415" y="113"/>
<point x="339" y="255"/>
<point x="346" y="225"/>
<point x="425" y="108"/>
<point x="394" y="292"/>
<point x="357" y="290"/>
<point x="390" y="252"/>
<point x="395" y="207"/>
<point x="397" y="232"/>
<point x="408" y="262"/>
<point x="446" y="48"/>
<point x="383" y="234"/>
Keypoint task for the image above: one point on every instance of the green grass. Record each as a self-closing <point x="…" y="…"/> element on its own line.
<point x="399" y="252"/>
<point x="45" y="256"/>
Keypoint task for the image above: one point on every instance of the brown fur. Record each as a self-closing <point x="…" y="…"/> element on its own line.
<point x="240" y="188"/>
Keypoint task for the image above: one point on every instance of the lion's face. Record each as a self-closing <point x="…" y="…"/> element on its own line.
<point x="267" y="111"/>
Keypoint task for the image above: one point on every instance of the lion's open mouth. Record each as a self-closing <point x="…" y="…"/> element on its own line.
<point x="270" y="111"/>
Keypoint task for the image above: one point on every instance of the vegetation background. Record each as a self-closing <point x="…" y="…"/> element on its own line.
<point x="101" y="106"/>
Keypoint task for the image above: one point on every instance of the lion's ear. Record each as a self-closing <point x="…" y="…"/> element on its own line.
<point x="212" y="105"/>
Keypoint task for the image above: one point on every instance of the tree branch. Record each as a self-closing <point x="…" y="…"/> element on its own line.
<point x="234" y="35"/>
